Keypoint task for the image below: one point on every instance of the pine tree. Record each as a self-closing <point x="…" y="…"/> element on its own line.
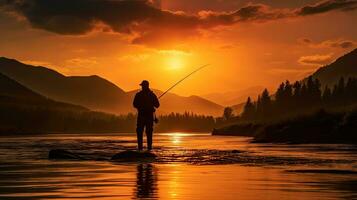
<point x="266" y="104"/>
<point x="326" y="96"/>
<point x="249" y="110"/>
<point x="228" y="113"/>
<point x="279" y="95"/>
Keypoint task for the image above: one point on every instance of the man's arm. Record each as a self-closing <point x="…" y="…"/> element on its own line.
<point x="135" y="102"/>
<point x="156" y="101"/>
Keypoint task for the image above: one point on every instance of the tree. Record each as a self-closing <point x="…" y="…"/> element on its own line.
<point x="249" y="110"/>
<point x="279" y="95"/>
<point x="259" y="108"/>
<point x="265" y="103"/>
<point x="341" y="86"/>
<point x="288" y="91"/>
<point x="297" y="89"/>
<point x="228" y="113"/>
<point x="326" y="96"/>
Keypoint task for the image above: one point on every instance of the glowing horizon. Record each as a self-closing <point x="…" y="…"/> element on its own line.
<point x="273" y="42"/>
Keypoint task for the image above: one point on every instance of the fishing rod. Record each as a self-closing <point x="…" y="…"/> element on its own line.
<point x="184" y="78"/>
<point x="156" y="120"/>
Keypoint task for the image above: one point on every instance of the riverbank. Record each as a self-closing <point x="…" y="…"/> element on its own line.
<point x="240" y="129"/>
<point x="320" y="127"/>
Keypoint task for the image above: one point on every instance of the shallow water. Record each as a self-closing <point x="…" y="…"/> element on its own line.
<point x="189" y="166"/>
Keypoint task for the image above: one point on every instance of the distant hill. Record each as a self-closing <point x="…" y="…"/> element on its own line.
<point x="345" y="66"/>
<point x="23" y="111"/>
<point x="91" y="91"/>
<point x="175" y="103"/>
<point x="14" y="94"/>
<point x="234" y="97"/>
<point x="95" y="92"/>
<point x="238" y="108"/>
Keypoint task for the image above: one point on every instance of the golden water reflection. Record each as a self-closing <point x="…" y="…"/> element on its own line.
<point x="27" y="173"/>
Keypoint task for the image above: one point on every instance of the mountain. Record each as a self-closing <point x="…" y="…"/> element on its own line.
<point x="95" y="92"/>
<point x="345" y="66"/>
<point x="175" y="103"/>
<point x="23" y="111"/>
<point x="238" y="108"/>
<point x="234" y="97"/>
<point x="14" y="94"/>
<point x="91" y="91"/>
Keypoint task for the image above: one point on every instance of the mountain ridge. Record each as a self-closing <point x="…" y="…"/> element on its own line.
<point x="344" y="66"/>
<point x="95" y="92"/>
<point x="13" y="93"/>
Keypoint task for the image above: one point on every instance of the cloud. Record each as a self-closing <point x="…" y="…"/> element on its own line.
<point x="144" y="20"/>
<point x="315" y="59"/>
<point x="340" y="43"/>
<point x="284" y="71"/>
<point x="305" y="41"/>
<point x="326" y="6"/>
<point x="82" y="62"/>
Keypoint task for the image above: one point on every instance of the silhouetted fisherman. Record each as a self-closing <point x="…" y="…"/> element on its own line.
<point x="145" y="102"/>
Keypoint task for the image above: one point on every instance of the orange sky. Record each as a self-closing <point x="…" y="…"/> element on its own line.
<point x="260" y="43"/>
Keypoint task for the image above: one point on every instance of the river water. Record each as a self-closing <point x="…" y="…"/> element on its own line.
<point x="189" y="166"/>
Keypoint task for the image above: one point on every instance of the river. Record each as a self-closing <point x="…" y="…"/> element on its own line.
<point x="189" y="166"/>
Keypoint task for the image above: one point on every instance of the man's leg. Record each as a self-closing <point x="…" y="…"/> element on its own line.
<point x="139" y="135"/>
<point x="149" y="130"/>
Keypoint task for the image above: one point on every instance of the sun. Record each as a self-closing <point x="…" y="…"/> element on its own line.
<point x="175" y="63"/>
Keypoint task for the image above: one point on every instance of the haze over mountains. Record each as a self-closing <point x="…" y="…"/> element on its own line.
<point x="233" y="97"/>
<point x="95" y="92"/>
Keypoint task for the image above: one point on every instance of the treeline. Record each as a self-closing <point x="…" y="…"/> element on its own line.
<point x="41" y="119"/>
<point x="300" y="97"/>
<point x="188" y="122"/>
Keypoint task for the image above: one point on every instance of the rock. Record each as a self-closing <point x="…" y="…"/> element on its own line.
<point x="132" y="156"/>
<point x="60" y="154"/>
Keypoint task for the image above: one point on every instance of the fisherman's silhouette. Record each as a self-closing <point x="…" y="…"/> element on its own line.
<point x="146" y="182"/>
<point x="145" y="102"/>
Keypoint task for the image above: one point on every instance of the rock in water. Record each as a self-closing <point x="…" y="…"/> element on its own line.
<point x="60" y="154"/>
<point x="132" y="156"/>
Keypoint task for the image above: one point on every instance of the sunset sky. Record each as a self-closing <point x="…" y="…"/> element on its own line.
<point x="248" y="43"/>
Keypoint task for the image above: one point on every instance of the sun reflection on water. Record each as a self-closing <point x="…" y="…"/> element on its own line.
<point x="176" y="138"/>
<point x="174" y="183"/>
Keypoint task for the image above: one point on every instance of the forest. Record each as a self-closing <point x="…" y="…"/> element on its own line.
<point x="302" y="112"/>
<point x="300" y="98"/>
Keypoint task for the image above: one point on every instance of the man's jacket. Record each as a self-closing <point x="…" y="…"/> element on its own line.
<point x="146" y="101"/>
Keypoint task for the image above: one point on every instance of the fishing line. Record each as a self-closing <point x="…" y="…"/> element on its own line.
<point x="184" y="78"/>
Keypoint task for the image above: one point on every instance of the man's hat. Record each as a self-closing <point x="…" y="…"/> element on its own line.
<point x="145" y="83"/>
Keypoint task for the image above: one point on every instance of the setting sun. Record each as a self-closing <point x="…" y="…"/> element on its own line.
<point x="175" y="63"/>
